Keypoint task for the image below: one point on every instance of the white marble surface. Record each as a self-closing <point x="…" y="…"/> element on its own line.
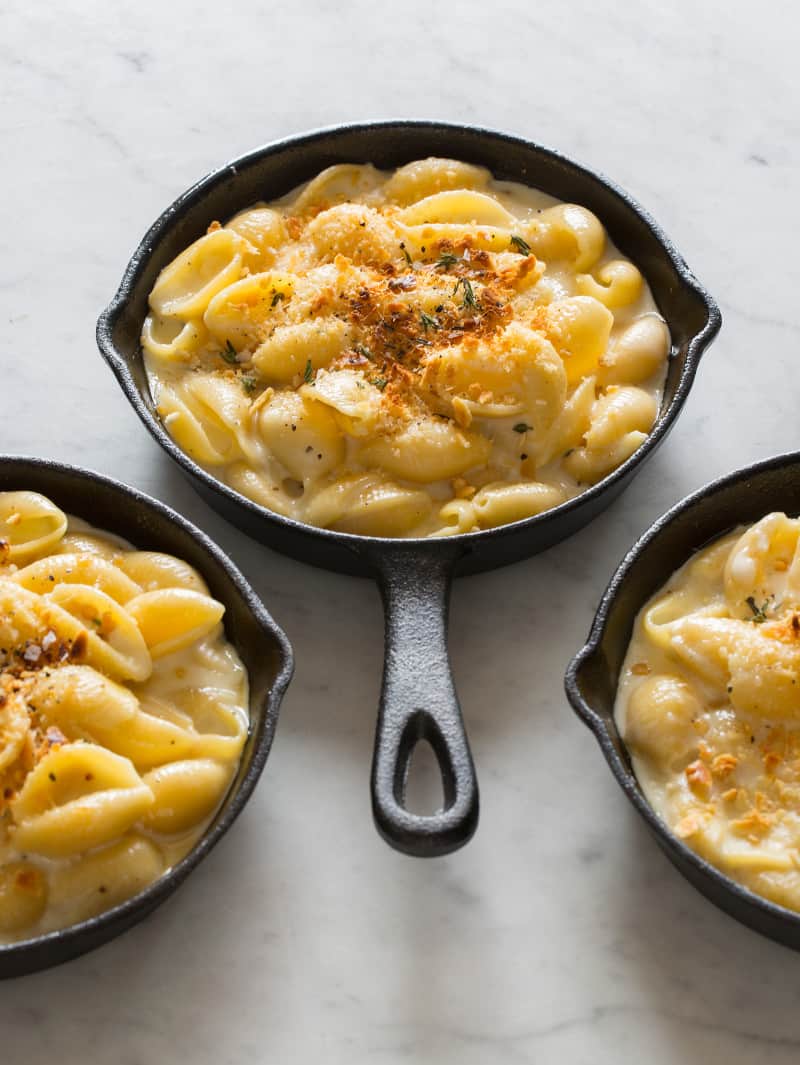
<point x="560" y="934"/>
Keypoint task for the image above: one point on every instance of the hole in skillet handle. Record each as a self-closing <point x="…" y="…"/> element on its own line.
<point x="419" y="701"/>
<point x="424" y="785"/>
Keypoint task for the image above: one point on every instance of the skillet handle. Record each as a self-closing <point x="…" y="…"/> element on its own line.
<point x="419" y="702"/>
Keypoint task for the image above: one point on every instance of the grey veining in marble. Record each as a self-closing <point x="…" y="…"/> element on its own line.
<point x="560" y="934"/>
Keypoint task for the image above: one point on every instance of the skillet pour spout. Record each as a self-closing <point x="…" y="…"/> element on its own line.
<point x="418" y="700"/>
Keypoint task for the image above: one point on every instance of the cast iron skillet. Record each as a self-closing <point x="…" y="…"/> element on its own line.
<point x="264" y="650"/>
<point x="418" y="700"/>
<point x="591" y="682"/>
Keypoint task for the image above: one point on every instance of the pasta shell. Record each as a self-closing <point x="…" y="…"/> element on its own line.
<point x="29" y="525"/>
<point x="78" y="797"/>
<point x="185" y="793"/>
<point x="42" y="576"/>
<point x="186" y="286"/>
<point x="172" y="618"/>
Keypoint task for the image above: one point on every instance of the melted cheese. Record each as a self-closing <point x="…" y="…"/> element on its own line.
<point x="709" y="705"/>
<point x="449" y="335"/>
<point x="123" y="713"/>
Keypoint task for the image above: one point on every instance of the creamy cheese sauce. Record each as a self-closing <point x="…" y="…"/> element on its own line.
<point x="709" y="705"/>
<point x="417" y="353"/>
<point x="123" y="713"/>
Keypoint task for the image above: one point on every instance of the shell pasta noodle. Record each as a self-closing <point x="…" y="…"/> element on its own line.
<point x="123" y="715"/>
<point x="709" y="705"/>
<point x="419" y="353"/>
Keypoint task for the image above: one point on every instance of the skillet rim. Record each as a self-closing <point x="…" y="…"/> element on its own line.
<point x="757" y="912"/>
<point x="118" y="363"/>
<point x="66" y="942"/>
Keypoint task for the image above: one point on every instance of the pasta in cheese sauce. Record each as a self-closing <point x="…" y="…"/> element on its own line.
<point x="709" y="705"/>
<point x="420" y="353"/>
<point x="123" y="714"/>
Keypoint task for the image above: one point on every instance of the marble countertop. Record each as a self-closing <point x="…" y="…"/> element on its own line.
<point x="561" y="933"/>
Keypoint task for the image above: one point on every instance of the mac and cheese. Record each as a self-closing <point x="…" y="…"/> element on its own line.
<point x="420" y="353"/>
<point x="709" y="705"/>
<point x="123" y="713"/>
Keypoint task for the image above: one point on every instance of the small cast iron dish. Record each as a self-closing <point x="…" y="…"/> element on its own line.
<point x="263" y="647"/>
<point x="418" y="700"/>
<point x="741" y="498"/>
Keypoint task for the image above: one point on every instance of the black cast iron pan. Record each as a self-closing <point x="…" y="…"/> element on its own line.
<point x="418" y="698"/>
<point x="262" y="646"/>
<point x="591" y="682"/>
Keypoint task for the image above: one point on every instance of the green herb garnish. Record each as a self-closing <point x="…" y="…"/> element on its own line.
<point x="97" y="621"/>
<point x="307" y="372"/>
<point x="362" y="349"/>
<point x="379" y="382"/>
<point x="522" y="246"/>
<point x="759" y="612"/>
<point x="428" y="321"/>
<point x="276" y="299"/>
<point x="249" y="384"/>
<point x="469" y="302"/>
<point x="229" y="354"/>
<point x="522" y="427"/>
<point x="406" y="256"/>
<point x="446" y="260"/>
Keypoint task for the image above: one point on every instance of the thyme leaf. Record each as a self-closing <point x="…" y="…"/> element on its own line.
<point x="759" y="612"/>
<point x="469" y="302"/>
<point x="229" y="354"/>
<point x="522" y="246"/>
<point x="446" y="260"/>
